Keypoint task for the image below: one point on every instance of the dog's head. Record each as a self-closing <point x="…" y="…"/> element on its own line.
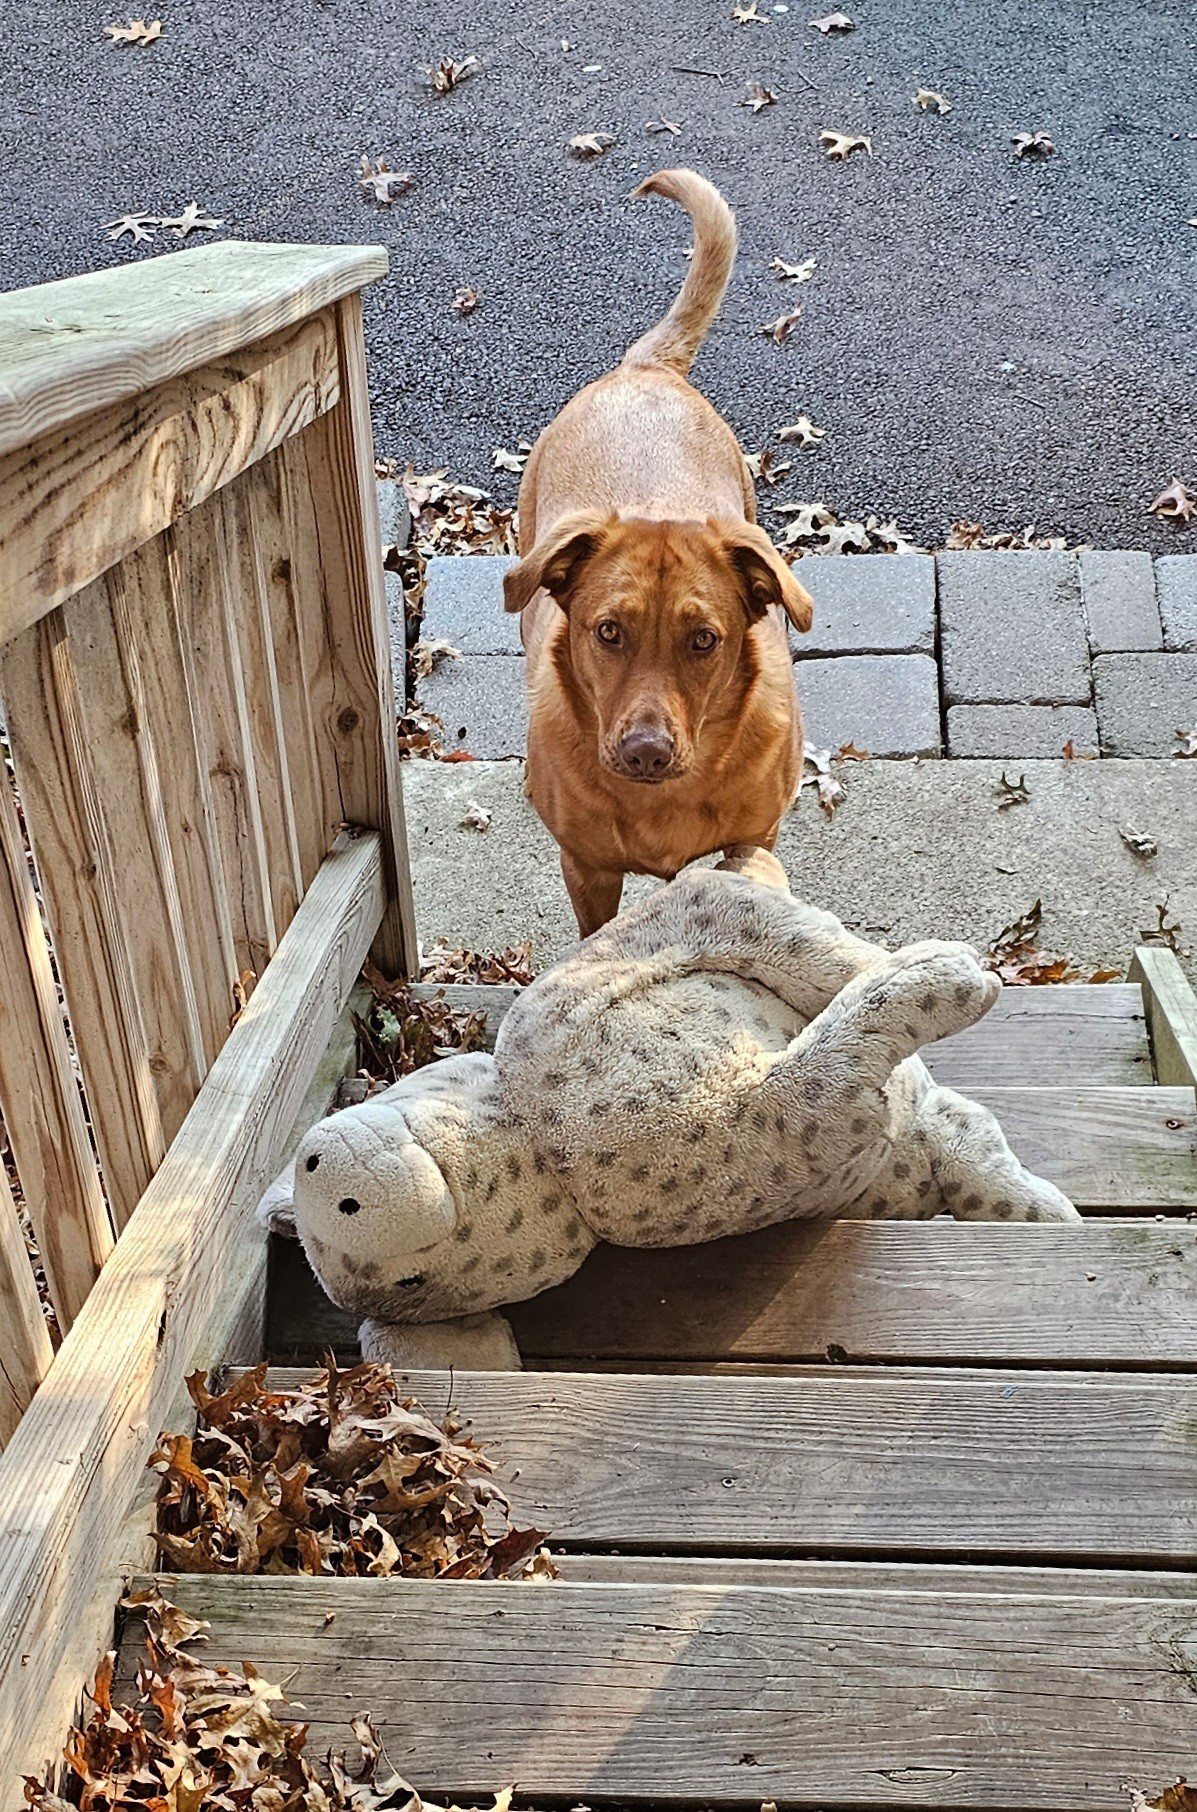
<point x="660" y="614"/>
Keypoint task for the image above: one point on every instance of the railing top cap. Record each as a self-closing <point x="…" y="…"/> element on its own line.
<point x="71" y="347"/>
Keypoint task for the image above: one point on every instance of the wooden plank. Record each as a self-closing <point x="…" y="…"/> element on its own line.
<point x="1171" y="1013"/>
<point x="1107" y="1293"/>
<point x="936" y="1463"/>
<point x="701" y="1695"/>
<point x="126" y="773"/>
<point x="25" y="1349"/>
<point x="1105" y="1147"/>
<point x="79" y="499"/>
<point x="873" y="1576"/>
<point x="69" y="1472"/>
<point x="333" y="503"/>
<point x="170" y="712"/>
<point x="73" y="347"/>
<point x="39" y="1093"/>
<point x="77" y="865"/>
<point x="1070" y="1035"/>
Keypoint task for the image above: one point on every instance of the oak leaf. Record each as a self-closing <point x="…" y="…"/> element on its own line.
<point x="780" y="330"/>
<point x="466" y="300"/>
<point x="592" y="144"/>
<point x="1138" y="841"/>
<point x="476" y="818"/>
<point x="841" y="537"/>
<point x="136" y="32"/>
<point x="444" y="76"/>
<point x="1188" y="745"/>
<point x="1012" y="792"/>
<point x="191" y="220"/>
<point x="137" y="226"/>
<point x="764" y="466"/>
<point x="794" y="273"/>
<point x="759" y="97"/>
<point x="832" y="22"/>
<point x="1175" y="503"/>
<point x="747" y="14"/>
<point x="1033" y="144"/>
<point x="662" y="125"/>
<point x="931" y="101"/>
<point x="829" y="790"/>
<point x="803" y="431"/>
<point x="1164" y="931"/>
<point x="381" y="183"/>
<point x="840" y="145"/>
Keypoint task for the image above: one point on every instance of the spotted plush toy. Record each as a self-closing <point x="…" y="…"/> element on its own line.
<point x="718" y="1058"/>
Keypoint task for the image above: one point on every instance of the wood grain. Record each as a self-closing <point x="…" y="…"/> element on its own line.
<point x="1171" y="1013"/>
<point x="701" y="1695"/>
<point x="1104" y="1147"/>
<point x="1108" y="1293"/>
<point x="69" y="1472"/>
<point x="39" y="1092"/>
<point x="71" y="348"/>
<point x="77" y="501"/>
<point x="948" y="1463"/>
<point x="77" y="864"/>
<point x="25" y="1349"/>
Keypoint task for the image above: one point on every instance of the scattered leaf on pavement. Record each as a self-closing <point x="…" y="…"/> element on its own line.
<point x="466" y="300"/>
<point x="841" y="145"/>
<point x="764" y="466"/>
<point x="1163" y="932"/>
<point x="1188" y="745"/>
<point x="832" y="22"/>
<point x="1032" y="144"/>
<point x="965" y="534"/>
<point x="844" y="537"/>
<point x="1012" y="792"/>
<point x="1182" y="1797"/>
<point x="662" y="125"/>
<point x="794" y="273"/>
<point x="1138" y="841"/>
<point x="829" y="790"/>
<point x="512" y="966"/>
<point x="1015" y="955"/>
<point x="381" y="183"/>
<point x="476" y="818"/>
<point x="191" y="220"/>
<point x="848" y="751"/>
<point x="803" y="431"/>
<point x="1175" y="503"/>
<point x="591" y="144"/>
<point x="759" y="97"/>
<point x="503" y="461"/>
<point x="780" y="330"/>
<point x="747" y="14"/>
<point x="445" y="75"/>
<point x="428" y="654"/>
<point x="136" y="32"/>
<point x="137" y="226"/>
<point x="931" y="101"/>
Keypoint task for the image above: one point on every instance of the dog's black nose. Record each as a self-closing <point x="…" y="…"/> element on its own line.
<point x="646" y="751"/>
<point x="349" y="1205"/>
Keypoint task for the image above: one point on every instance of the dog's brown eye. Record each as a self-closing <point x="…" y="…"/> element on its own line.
<point x="703" y="641"/>
<point x="608" y="634"/>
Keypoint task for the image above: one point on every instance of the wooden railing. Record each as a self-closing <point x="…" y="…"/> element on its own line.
<point x="196" y="682"/>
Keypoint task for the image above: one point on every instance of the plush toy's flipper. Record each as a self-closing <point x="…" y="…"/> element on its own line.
<point x="978" y="1177"/>
<point x="477" y="1343"/>
<point x="276" y="1210"/>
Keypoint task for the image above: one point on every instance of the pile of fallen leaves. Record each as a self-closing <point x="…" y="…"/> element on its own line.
<point x="338" y="1476"/>
<point x="970" y="535"/>
<point x="1015" y="955"/>
<point x="401" y="1032"/>
<point x="492" y="968"/>
<point x="197" y="1737"/>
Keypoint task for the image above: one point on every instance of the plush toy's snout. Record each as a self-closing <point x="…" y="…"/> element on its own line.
<point x="364" y="1186"/>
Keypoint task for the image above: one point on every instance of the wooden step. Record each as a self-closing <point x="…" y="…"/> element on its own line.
<point x="706" y="1695"/>
<point x="873" y="1576"/>
<point x="1106" y="1293"/>
<point x="842" y="1461"/>
<point x="1071" y="1035"/>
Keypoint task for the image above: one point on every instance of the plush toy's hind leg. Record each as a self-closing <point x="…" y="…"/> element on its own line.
<point x="276" y="1209"/>
<point x="477" y="1343"/>
<point x="977" y="1176"/>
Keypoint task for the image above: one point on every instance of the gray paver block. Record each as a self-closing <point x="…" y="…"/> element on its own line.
<point x="1020" y="730"/>
<point x="1176" y="576"/>
<point x="464" y="603"/>
<point x="1012" y="630"/>
<point x="394" y="517"/>
<point x="1143" y="700"/>
<point x="885" y="703"/>
<point x="1118" y="595"/>
<point x="879" y="603"/>
<point x="484" y="697"/>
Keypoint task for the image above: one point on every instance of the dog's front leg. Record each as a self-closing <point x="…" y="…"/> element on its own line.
<point x="594" y="892"/>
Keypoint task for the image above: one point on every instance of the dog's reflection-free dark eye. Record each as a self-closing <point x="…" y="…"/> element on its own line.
<point x="349" y="1205"/>
<point x="312" y="1162"/>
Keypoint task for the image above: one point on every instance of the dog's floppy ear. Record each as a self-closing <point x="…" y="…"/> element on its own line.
<point x="764" y="576"/>
<point x="556" y="561"/>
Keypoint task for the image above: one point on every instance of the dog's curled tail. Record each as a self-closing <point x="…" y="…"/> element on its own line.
<point x="675" y="339"/>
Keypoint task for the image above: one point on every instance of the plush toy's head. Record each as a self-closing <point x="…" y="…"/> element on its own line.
<point x="365" y="1187"/>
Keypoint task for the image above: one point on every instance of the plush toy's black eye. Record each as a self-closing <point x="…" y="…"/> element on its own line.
<point x="410" y="1283"/>
<point x="348" y="1205"/>
<point x="312" y="1162"/>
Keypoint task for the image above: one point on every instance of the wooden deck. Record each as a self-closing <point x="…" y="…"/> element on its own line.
<point x="853" y="1516"/>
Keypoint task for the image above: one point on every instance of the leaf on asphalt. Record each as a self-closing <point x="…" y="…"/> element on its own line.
<point x="503" y="461"/>
<point x="844" y="538"/>
<point x="794" y="273"/>
<point x="137" y="226"/>
<point x="476" y="818"/>
<point x="339" y="1476"/>
<point x="1188" y="744"/>
<point x="746" y="14"/>
<point x="780" y="330"/>
<point x="764" y="466"/>
<point x="1033" y="144"/>
<point x="840" y="145"/>
<point x="1138" y="841"/>
<point x="444" y="76"/>
<point x="803" y="431"/>
<point x="931" y="101"/>
<point x="1175" y="503"/>
<point x="964" y="534"/>
<point x="832" y="22"/>
<point x="136" y="32"/>
<point x="466" y="300"/>
<point x="1012" y="792"/>
<point x="829" y="790"/>
<point x="662" y="125"/>
<point x="381" y="183"/>
<point x="429" y="652"/>
<point x="592" y="144"/>
<point x="1163" y="932"/>
<point x="890" y="538"/>
<point x="191" y="220"/>
<point x="809" y="519"/>
<point x="759" y="97"/>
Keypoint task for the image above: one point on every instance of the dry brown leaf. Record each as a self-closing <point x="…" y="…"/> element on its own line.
<point x="1015" y="956"/>
<point x="381" y="183"/>
<point x="832" y="22"/>
<point x="803" y="431"/>
<point x="242" y="989"/>
<point x="592" y="144"/>
<point x="401" y="1032"/>
<point x="1181" y="1797"/>
<point x="848" y="751"/>
<point x="931" y="101"/>
<point x="137" y="226"/>
<point x="1012" y="792"/>
<point x="840" y="145"/>
<point x="765" y="467"/>
<point x="511" y="967"/>
<point x="136" y="32"/>
<point x="844" y="537"/>
<point x="1032" y="144"/>
<point x="444" y="76"/>
<point x="1175" y="503"/>
<point x="759" y="97"/>
<point x="476" y="818"/>
<point x="466" y="300"/>
<point x="503" y="461"/>
<point x="191" y="220"/>
<point x="1163" y="931"/>
<point x="746" y="14"/>
<point x="662" y="125"/>
<point x="1138" y="842"/>
<point x="794" y="273"/>
<point x="1188" y="745"/>
<point x="829" y="790"/>
<point x="780" y="330"/>
<point x="428" y="654"/>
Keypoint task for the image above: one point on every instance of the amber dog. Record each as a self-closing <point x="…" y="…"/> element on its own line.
<point x="663" y="719"/>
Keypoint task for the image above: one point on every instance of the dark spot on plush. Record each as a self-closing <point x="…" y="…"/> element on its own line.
<point x="553" y="1079"/>
<point x="971" y="1204"/>
<point x="858" y="1125"/>
<point x="728" y="1153"/>
<point x="901" y="1170"/>
<point x="599" y="1107"/>
<point x="641" y="1215"/>
<point x="812" y="1090"/>
<point x="778" y="1174"/>
<point x="927" y="1002"/>
<point x="492" y="1189"/>
<point x="961" y="993"/>
<point x="552" y="1116"/>
<point x="312" y="1162"/>
<point x="464" y="1232"/>
<point x="513" y="1167"/>
<point x="950" y="1188"/>
<point x="471" y="1264"/>
<point x="572" y="1228"/>
<point x="538" y="1259"/>
<point x="515" y="1221"/>
<point x="760" y="1119"/>
<point x="698" y="1174"/>
<point x="1003" y="1210"/>
<point x="638" y="1172"/>
<point x="349" y="1204"/>
<point x="605" y="1159"/>
<point x="779" y="1122"/>
<point x="669" y="1185"/>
